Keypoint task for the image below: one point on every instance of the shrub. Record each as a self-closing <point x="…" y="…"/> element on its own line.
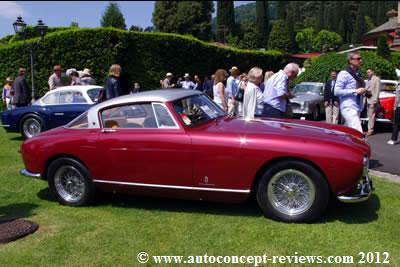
<point x="144" y="57"/>
<point x="319" y="70"/>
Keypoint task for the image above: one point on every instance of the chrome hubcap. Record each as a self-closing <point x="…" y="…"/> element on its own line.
<point x="69" y="183"/>
<point x="31" y="127"/>
<point x="291" y="192"/>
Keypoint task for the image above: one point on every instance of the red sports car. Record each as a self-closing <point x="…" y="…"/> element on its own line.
<point x="179" y="143"/>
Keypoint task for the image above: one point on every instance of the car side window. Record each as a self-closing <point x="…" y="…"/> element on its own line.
<point x="77" y="98"/>
<point x="52" y="98"/>
<point x="164" y="118"/>
<point x="129" y="116"/>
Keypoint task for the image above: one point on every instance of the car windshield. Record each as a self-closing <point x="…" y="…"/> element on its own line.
<point x="307" y="89"/>
<point x="197" y="109"/>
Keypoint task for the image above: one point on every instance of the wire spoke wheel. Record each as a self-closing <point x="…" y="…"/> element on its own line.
<point x="291" y="192"/>
<point x="31" y="127"/>
<point x="69" y="183"/>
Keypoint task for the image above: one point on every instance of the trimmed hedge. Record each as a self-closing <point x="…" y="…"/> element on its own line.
<point x="144" y="57"/>
<point x="321" y="66"/>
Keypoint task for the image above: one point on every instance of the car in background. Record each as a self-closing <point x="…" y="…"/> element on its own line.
<point x="57" y="107"/>
<point x="180" y="144"/>
<point x="308" y="101"/>
<point x="387" y="96"/>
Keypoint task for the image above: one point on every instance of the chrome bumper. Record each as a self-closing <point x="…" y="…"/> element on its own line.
<point x="25" y="172"/>
<point x="363" y="192"/>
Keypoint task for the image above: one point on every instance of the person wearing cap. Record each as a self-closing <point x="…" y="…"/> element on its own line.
<point x="232" y="87"/>
<point x="187" y="83"/>
<point x="22" y="93"/>
<point x="86" y="77"/>
<point x="56" y="79"/>
<point x="7" y="93"/>
<point x="167" y="82"/>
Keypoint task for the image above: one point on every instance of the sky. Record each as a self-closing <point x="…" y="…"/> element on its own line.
<point x="85" y="13"/>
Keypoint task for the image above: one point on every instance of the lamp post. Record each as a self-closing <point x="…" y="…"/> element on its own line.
<point x="19" y="28"/>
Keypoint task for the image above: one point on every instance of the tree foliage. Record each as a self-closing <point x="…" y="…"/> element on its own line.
<point x="247" y="37"/>
<point x="383" y="49"/>
<point x="184" y="17"/>
<point x="279" y="36"/>
<point x="112" y="17"/>
<point x="225" y="19"/>
<point x="262" y="21"/>
<point x="305" y="38"/>
<point x="326" y="40"/>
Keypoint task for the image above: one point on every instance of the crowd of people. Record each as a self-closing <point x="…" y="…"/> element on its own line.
<point x="248" y="95"/>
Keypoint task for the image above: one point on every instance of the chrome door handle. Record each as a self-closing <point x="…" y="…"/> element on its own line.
<point x="108" y="130"/>
<point x="59" y="114"/>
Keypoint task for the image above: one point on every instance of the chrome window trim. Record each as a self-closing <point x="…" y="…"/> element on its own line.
<point x="169" y="113"/>
<point x="245" y="191"/>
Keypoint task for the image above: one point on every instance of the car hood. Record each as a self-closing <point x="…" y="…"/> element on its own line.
<point x="301" y="98"/>
<point x="287" y="128"/>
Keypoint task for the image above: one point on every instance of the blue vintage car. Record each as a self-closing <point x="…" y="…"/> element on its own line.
<point x="55" y="108"/>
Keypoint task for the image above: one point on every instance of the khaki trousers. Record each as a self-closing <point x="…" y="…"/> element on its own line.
<point x="332" y="114"/>
<point x="371" y="117"/>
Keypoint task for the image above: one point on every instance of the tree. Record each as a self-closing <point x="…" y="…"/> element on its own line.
<point x="279" y="36"/>
<point x="262" y="20"/>
<point x="225" y="19"/>
<point x="112" y="17"/>
<point x="290" y="27"/>
<point x="184" y="17"/>
<point x="281" y="9"/>
<point x="383" y="49"/>
<point x="320" y="18"/>
<point x="305" y="39"/>
<point x="326" y="40"/>
<point x="369" y="23"/>
<point x="136" y="28"/>
<point x="74" y="24"/>
<point x="359" y="27"/>
<point x="149" y="29"/>
<point x="247" y="36"/>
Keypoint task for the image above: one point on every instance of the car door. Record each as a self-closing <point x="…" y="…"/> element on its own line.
<point x="138" y="146"/>
<point x="68" y="105"/>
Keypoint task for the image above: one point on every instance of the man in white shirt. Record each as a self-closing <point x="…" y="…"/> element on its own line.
<point x="187" y="83"/>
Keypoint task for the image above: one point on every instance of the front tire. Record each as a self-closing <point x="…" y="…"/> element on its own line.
<point x="69" y="181"/>
<point x="293" y="191"/>
<point x="31" y="126"/>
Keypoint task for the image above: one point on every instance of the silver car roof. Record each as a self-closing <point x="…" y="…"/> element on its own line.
<point x="162" y="95"/>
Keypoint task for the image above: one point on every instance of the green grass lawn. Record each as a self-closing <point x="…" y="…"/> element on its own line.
<point x="112" y="232"/>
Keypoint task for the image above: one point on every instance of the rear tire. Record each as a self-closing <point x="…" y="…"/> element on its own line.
<point x="31" y="126"/>
<point x="293" y="191"/>
<point x="69" y="181"/>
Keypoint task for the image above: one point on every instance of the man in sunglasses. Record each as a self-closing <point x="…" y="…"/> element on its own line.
<point x="56" y="79"/>
<point x="350" y="88"/>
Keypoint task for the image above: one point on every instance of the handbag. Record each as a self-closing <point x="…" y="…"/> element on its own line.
<point x="239" y="95"/>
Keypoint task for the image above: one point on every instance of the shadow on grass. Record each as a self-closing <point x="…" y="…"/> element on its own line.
<point x="16" y="211"/>
<point x="17" y="138"/>
<point x="357" y="213"/>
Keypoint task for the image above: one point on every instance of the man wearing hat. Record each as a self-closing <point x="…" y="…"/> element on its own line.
<point x="167" y="82"/>
<point x="232" y="87"/>
<point x="187" y="83"/>
<point x="86" y="77"/>
<point x="7" y="93"/>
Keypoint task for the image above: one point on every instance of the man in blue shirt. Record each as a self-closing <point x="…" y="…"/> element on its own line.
<point x="350" y="88"/>
<point x="232" y="87"/>
<point x="276" y="91"/>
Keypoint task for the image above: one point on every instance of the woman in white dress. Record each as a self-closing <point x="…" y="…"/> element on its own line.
<point x="253" y="100"/>
<point x="220" y="96"/>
